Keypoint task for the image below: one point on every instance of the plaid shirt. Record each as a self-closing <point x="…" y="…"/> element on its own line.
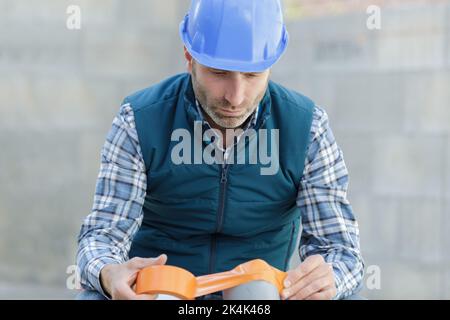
<point x="329" y="227"/>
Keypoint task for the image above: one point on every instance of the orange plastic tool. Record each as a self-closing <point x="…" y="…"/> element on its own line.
<point x="181" y="283"/>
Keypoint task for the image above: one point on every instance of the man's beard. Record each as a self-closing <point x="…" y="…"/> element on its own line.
<point x="211" y="107"/>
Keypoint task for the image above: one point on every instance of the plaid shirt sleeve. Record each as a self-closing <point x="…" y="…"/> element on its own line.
<point x="106" y="234"/>
<point x="329" y="226"/>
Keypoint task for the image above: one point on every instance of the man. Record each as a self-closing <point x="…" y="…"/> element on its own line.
<point x="174" y="185"/>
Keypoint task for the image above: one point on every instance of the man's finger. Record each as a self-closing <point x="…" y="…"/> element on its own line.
<point x="124" y="292"/>
<point x="314" y="287"/>
<point x="138" y="264"/>
<point x="306" y="267"/>
<point x="326" y="294"/>
<point x="141" y="263"/>
<point x="319" y="272"/>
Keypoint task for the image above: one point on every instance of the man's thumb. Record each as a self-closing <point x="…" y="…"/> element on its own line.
<point x="140" y="263"/>
<point x="162" y="259"/>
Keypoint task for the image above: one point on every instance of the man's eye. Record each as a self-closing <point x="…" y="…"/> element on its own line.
<point x="219" y="73"/>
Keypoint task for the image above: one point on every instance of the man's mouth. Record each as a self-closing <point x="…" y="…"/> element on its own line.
<point x="230" y="113"/>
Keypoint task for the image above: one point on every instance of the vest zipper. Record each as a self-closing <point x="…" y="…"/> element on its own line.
<point x="223" y="191"/>
<point x="220" y="213"/>
<point x="212" y="253"/>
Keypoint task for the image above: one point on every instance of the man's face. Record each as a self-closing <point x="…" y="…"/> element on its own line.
<point x="228" y="98"/>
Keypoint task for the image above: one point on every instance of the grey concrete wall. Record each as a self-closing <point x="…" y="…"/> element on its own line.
<point x="386" y="92"/>
<point x="59" y="91"/>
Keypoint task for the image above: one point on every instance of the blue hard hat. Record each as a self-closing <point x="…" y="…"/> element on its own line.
<point x="235" y="35"/>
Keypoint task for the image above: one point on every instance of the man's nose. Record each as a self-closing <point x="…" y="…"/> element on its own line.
<point x="235" y="93"/>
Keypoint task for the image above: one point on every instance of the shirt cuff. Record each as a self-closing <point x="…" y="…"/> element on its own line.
<point x="346" y="283"/>
<point x="95" y="267"/>
<point x="340" y="289"/>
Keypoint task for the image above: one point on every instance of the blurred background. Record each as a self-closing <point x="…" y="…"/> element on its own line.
<point x="387" y="93"/>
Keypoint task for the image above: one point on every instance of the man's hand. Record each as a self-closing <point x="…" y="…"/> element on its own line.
<point x="118" y="280"/>
<point x="313" y="279"/>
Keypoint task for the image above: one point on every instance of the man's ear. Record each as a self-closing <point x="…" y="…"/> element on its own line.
<point x="189" y="60"/>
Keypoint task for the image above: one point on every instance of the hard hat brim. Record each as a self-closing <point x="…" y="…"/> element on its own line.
<point x="232" y="65"/>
